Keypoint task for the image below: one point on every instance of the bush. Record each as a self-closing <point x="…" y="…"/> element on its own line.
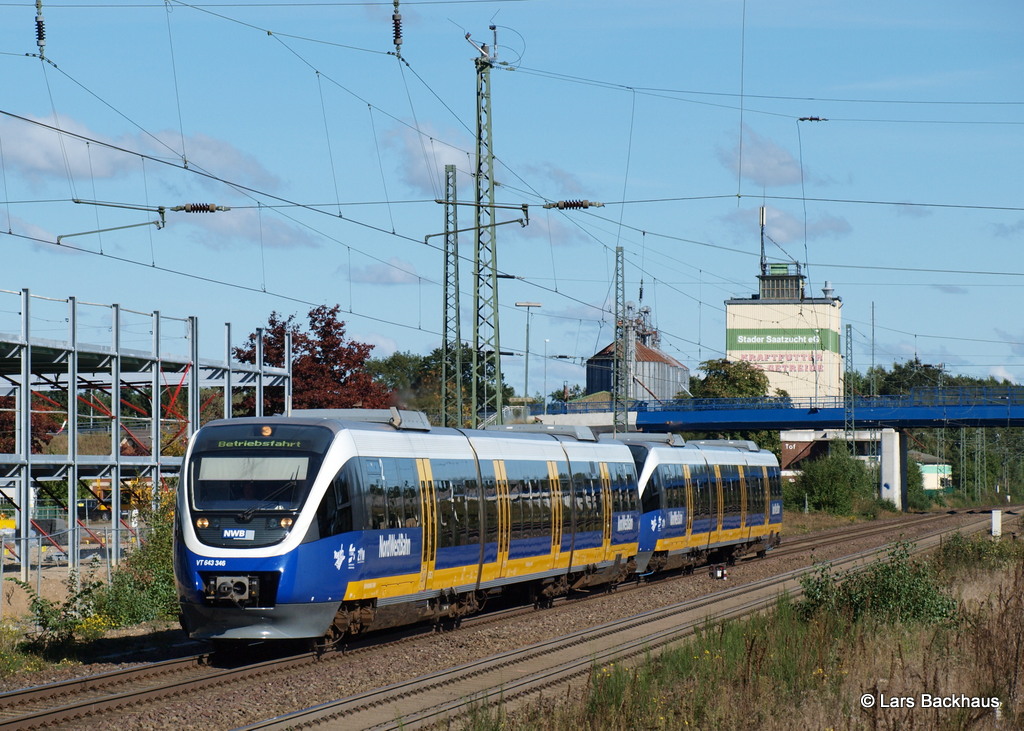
<point x="832" y="483"/>
<point x="57" y="623"/>
<point x="977" y="552"/>
<point x="12" y="657"/>
<point x="901" y="589"/>
<point x="142" y="588"/>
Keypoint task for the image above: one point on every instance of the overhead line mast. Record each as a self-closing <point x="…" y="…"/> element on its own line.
<point x="451" y="346"/>
<point x="487" y="381"/>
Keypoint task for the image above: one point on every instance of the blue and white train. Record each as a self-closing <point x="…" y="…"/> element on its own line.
<point x="328" y="523"/>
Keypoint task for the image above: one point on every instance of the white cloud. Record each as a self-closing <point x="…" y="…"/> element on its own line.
<point x="1002" y="373"/>
<point x="1011" y="230"/>
<point x="785" y="228"/>
<point x="764" y="162"/>
<point x="217" y="157"/>
<point x="950" y="289"/>
<point x="41" y="152"/>
<point x="383" y="346"/>
<point x="423" y="157"/>
<point x="1014" y="340"/>
<point x="548" y="227"/>
<point x="246" y="227"/>
<point x="395" y="271"/>
<point x="567" y="183"/>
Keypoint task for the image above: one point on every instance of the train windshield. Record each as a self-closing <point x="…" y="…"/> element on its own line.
<point x="250" y="468"/>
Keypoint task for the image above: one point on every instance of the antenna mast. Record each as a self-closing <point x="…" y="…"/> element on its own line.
<point x="764" y="260"/>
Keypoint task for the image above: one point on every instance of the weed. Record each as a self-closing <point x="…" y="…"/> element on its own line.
<point x="901" y="589"/>
<point x="56" y="623"/>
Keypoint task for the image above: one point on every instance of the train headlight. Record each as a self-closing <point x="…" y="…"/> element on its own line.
<point x="286" y="523"/>
<point x="202" y="523"/>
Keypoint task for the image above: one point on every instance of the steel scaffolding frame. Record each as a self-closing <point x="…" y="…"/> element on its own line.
<point x="133" y="381"/>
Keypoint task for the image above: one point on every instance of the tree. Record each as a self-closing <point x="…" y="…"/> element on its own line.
<point x="837" y="483"/>
<point x="328" y="370"/>
<point x="568" y="393"/>
<point x="413" y="379"/>
<point x="725" y="378"/>
<point x="416" y="380"/>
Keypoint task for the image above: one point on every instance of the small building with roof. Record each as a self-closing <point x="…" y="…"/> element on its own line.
<point x="653" y="374"/>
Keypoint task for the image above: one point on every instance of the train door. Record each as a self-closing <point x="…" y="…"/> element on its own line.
<point x="555" y="496"/>
<point x="766" y="491"/>
<point x="690" y="505"/>
<point x="606" y="509"/>
<point x="504" y="515"/>
<point x="428" y="501"/>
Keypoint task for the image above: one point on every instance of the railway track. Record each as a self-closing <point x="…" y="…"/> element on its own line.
<point x="90" y="699"/>
<point x="511" y="676"/>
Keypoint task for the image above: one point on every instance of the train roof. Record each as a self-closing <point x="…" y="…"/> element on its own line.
<point x="660" y="439"/>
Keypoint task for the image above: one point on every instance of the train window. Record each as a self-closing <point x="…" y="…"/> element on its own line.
<point x="702" y="490"/>
<point x="334" y="515"/>
<point x="489" y="495"/>
<point x="377" y="507"/>
<point x="730" y="488"/>
<point x="544" y="502"/>
<point x="631" y="488"/>
<point x="446" y="522"/>
<point x="533" y="511"/>
<point x="676" y="491"/>
<point x="458" y="512"/>
<point x="565" y="488"/>
<point x="396" y="506"/>
<point x="623" y="487"/>
<point x="651" y="499"/>
<point x="775" y="483"/>
<point x="588" y="499"/>
<point x="472" y="511"/>
<point x="392" y="492"/>
<point x="460" y="476"/>
<point x="515" y="501"/>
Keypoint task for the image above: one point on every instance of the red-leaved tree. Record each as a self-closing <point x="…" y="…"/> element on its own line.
<point x="328" y="370"/>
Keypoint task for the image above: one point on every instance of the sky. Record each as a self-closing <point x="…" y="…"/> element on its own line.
<point x="885" y="141"/>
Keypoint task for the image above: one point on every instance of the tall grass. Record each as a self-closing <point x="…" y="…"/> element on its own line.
<point x="900" y="630"/>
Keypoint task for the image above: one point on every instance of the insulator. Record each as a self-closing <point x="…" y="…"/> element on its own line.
<point x="562" y="205"/>
<point x="200" y="207"/>
<point x="396" y="19"/>
<point x="40" y="31"/>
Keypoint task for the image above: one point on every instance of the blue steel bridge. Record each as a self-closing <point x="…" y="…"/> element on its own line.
<point x="935" y="408"/>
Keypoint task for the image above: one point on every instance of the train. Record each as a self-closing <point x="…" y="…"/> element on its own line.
<point x="328" y="523"/>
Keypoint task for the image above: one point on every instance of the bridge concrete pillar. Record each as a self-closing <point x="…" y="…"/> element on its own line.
<point x="893" y="468"/>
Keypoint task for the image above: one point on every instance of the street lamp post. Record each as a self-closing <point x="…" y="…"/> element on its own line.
<point x="528" y="306"/>
<point x="546" y="341"/>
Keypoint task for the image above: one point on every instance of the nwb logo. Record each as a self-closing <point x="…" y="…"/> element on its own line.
<point x="238" y="534"/>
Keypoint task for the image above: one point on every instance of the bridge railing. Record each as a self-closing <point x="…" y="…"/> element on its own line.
<point x="974" y="396"/>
